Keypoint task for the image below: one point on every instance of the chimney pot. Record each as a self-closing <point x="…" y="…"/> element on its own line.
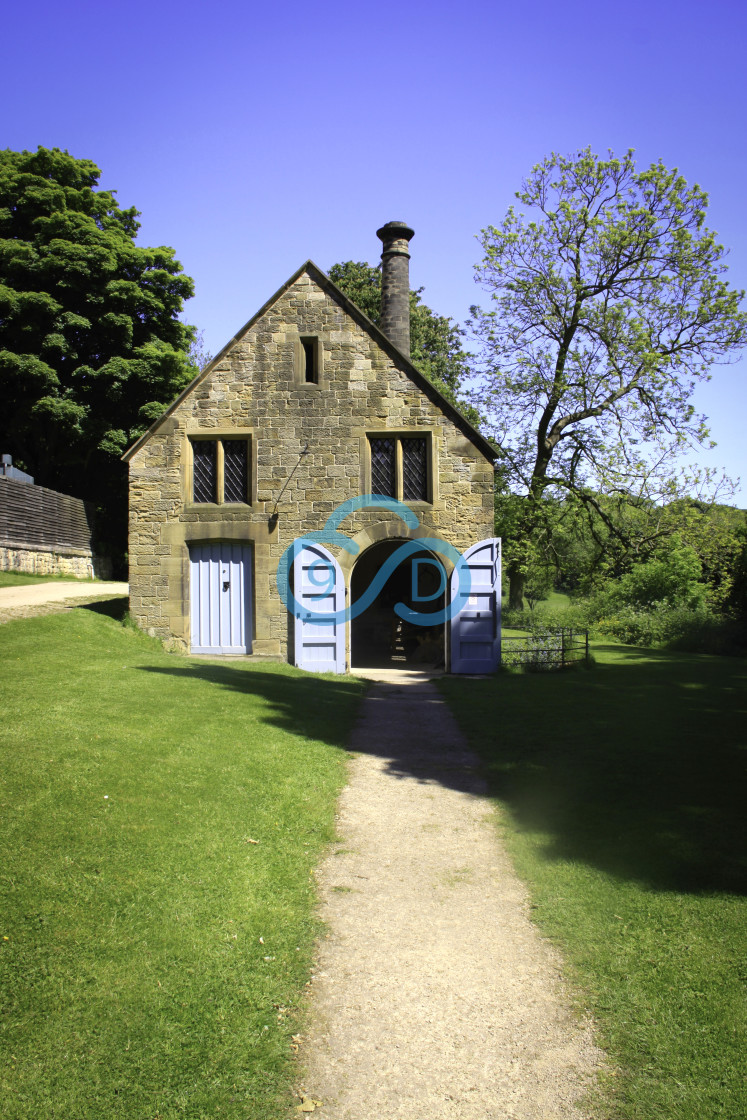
<point x="395" y="283"/>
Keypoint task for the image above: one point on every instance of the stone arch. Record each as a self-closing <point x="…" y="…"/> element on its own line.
<point x="379" y="638"/>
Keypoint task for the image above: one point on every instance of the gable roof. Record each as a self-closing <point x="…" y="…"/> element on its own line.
<point x="400" y="359"/>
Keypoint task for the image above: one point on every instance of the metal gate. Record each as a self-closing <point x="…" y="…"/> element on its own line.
<point x="476" y="610"/>
<point x="220" y="598"/>
<point x="319" y="592"/>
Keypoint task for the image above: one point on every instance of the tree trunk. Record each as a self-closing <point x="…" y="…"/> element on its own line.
<point x="516" y="578"/>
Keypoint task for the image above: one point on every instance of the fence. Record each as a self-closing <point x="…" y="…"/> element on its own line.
<point x="46" y="533"/>
<point x="542" y="651"/>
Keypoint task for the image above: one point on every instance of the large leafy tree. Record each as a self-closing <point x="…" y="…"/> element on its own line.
<point x="91" y="345"/>
<point x="436" y="342"/>
<point x="608" y="304"/>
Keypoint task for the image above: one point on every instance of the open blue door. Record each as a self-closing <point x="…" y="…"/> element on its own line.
<point x="476" y="609"/>
<point x="319" y="591"/>
<point x="220" y="593"/>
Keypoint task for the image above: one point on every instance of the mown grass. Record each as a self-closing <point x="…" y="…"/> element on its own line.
<point x="623" y="791"/>
<point x="152" y="954"/>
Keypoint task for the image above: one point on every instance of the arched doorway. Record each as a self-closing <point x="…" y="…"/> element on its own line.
<point x="379" y="638"/>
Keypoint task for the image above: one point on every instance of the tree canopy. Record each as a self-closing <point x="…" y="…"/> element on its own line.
<point x="91" y="346"/>
<point x="435" y="340"/>
<point x="608" y="305"/>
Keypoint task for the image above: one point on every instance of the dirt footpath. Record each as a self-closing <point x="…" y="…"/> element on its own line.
<point x="44" y="598"/>
<point x="434" y="996"/>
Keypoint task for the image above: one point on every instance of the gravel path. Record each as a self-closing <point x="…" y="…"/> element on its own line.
<point x="30" y="599"/>
<point x="434" y="996"/>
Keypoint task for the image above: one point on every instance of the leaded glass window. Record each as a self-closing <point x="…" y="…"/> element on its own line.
<point x="382" y="467"/>
<point x="204" y="470"/>
<point x="235" y="464"/>
<point x="414" y="470"/>
<point x="220" y="470"/>
<point x="400" y="467"/>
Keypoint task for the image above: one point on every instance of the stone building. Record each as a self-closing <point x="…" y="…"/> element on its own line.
<point x="308" y="407"/>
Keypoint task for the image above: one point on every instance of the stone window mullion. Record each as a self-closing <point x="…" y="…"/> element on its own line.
<point x="398" y="469"/>
<point x="219" y="472"/>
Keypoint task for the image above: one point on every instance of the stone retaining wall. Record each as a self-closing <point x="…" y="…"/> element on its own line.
<point x="77" y="565"/>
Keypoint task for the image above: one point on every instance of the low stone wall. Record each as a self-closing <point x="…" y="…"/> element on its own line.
<point x="76" y="564"/>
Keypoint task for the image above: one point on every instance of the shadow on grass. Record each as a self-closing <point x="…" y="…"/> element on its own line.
<point x="408" y="731"/>
<point x="637" y="768"/>
<point x="305" y="705"/>
<point x="116" y="608"/>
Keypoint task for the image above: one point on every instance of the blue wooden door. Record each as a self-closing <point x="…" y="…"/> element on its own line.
<point x="319" y="630"/>
<point x="220" y="598"/>
<point x="476" y="609"/>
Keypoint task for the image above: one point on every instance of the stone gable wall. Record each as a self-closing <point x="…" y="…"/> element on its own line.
<point x="257" y="391"/>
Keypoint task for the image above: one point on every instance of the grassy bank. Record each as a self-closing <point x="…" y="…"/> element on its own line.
<point x="161" y="820"/>
<point x="623" y="793"/>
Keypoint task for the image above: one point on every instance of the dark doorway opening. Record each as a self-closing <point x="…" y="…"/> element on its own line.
<point x="379" y="638"/>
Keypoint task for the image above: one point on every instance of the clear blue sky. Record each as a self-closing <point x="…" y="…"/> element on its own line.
<point x="253" y="137"/>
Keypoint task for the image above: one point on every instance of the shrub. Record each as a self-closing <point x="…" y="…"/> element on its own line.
<point x="636" y="626"/>
<point x="656" y="603"/>
<point x="707" y="633"/>
<point x="682" y="628"/>
<point x="546" y="617"/>
<point x="572" y="616"/>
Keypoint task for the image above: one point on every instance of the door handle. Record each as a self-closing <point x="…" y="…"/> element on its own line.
<point x="226" y="584"/>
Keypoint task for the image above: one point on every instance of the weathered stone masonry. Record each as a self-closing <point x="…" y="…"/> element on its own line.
<point x="256" y="389"/>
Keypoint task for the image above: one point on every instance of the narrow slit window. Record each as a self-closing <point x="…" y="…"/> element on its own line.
<point x="235" y="470"/>
<point x="204" y="470"/>
<point x="311" y="367"/>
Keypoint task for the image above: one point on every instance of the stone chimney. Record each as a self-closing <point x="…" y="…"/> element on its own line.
<point x="395" y="283"/>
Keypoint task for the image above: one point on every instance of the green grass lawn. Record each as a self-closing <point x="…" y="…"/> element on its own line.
<point x="623" y="795"/>
<point x="18" y="579"/>
<point x="161" y="819"/>
<point x="555" y="601"/>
